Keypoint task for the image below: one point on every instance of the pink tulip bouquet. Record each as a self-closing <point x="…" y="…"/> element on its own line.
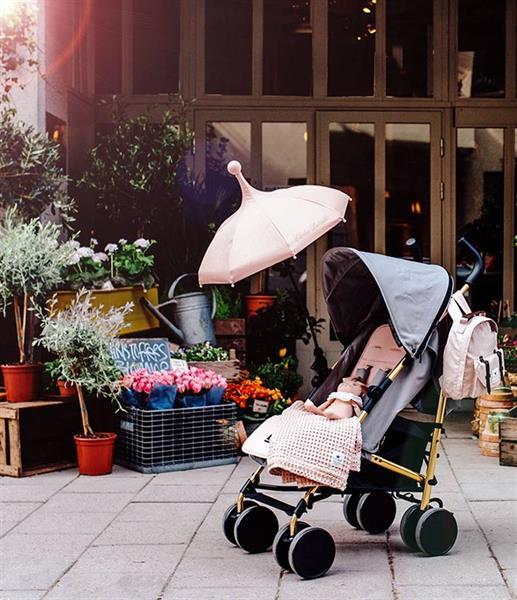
<point x="194" y="387"/>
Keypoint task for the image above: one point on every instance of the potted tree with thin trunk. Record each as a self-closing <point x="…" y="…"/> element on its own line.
<point x="81" y="337"/>
<point x="32" y="260"/>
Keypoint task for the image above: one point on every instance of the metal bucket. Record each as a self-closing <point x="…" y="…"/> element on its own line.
<point x="193" y="313"/>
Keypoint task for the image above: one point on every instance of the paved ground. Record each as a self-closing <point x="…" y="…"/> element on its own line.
<point x="132" y="536"/>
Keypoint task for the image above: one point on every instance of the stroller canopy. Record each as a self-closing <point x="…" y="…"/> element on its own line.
<point x="360" y="287"/>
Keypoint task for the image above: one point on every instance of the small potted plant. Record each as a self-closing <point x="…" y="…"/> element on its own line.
<point x="255" y="401"/>
<point x="281" y="375"/>
<point x="32" y="260"/>
<point x="122" y="272"/>
<point x="52" y="371"/>
<point x="81" y="337"/>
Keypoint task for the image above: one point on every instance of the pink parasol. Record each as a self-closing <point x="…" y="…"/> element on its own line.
<point x="269" y="227"/>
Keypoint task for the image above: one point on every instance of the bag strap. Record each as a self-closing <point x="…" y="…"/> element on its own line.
<point x="458" y="306"/>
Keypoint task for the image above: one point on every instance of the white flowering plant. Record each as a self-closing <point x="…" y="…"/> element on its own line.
<point x="32" y="259"/>
<point x="120" y="264"/>
<point x="81" y="338"/>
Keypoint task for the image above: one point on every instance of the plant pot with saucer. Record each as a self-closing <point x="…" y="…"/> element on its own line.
<point x="32" y="260"/>
<point x="81" y="337"/>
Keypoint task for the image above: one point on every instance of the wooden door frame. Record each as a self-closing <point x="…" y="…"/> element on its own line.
<point x="437" y="199"/>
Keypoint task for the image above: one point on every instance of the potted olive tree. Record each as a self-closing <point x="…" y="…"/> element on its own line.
<point x="81" y="337"/>
<point x="31" y="264"/>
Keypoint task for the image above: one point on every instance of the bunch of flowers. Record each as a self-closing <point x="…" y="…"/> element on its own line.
<point x="202" y="352"/>
<point x="144" y="381"/>
<point x="246" y="392"/>
<point x="119" y="265"/>
<point x="196" y="380"/>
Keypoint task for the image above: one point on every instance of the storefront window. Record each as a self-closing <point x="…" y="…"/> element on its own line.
<point x="108" y="47"/>
<point x="225" y="141"/>
<point x="284" y="164"/>
<point x="408" y="183"/>
<point x="155" y="46"/>
<point x="351" y="47"/>
<point x="228" y="37"/>
<point x="287" y="53"/>
<point x="409" y="48"/>
<point x="480" y="210"/>
<point x="481" y="48"/>
<point x="352" y="171"/>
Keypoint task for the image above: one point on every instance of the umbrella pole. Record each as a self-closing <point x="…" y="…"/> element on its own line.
<point x="320" y="365"/>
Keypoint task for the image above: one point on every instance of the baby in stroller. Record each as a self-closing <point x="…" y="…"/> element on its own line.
<point x="347" y="401"/>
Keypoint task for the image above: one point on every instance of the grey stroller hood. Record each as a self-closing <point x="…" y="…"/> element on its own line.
<point x="359" y="286"/>
<point x="364" y="290"/>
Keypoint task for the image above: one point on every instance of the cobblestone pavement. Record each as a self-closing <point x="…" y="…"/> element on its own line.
<point x="133" y="536"/>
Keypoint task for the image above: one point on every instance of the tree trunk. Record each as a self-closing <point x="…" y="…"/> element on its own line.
<point x="87" y="430"/>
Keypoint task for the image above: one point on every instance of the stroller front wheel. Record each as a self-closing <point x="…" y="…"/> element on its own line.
<point x="282" y="542"/>
<point x="376" y="512"/>
<point x="436" y="531"/>
<point x="312" y="552"/>
<point x="350" y="509"/>
<point x="408" y="526"/>
<point x="255" y="529"/>
<point x="229" y="518"/>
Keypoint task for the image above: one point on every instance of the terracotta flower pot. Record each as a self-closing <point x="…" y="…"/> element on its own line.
<point x="67" y="390"/>
<point x="95" y="454"/>
<point x="257" y="301"/>
<point x="22" y="381"/>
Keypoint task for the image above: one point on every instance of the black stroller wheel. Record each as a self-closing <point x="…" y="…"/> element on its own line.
<point x="436" y="531"/>
<point x="312" y="552"/>
<point x="408" y="526"/>
<point x="376" y="512"/>
<point x="350" y="509"/>
<point x="229" y="518"/>
<point x="282" y="542"/>
<point x="255" y="529"/>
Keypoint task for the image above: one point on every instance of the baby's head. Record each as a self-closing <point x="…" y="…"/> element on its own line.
<point x="352" y="386"/>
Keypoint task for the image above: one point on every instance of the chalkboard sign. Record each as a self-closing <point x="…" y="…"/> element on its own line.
<point x="152" y="354"/>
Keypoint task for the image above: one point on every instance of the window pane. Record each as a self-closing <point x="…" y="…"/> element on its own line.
<point x="155" y="46"/>
<point x="228" y="33"/>
<point x="352" y="171"/>
<point x="409" y="48"/>
<point x="284" y="155"/>
<point x="351" y="47"/>
<point x="287" y="58"/>
<point x="108" y="47"/>
<point x="481" y="48"/>
<point x="284" y="164"/>
<point x="479" y="209"/>
<point x="408" y="174"/>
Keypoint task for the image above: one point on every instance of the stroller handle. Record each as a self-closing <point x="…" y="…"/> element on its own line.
<point x="479" y="265"/>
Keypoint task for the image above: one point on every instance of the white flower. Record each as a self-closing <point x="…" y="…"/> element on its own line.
<point x="74" y="259"/>
<point x="142" y="243"/>
<point x="99" y="257"/>
<point x="111" y="248"/>
<point x="85" y="252"/>
<point x="75" y="244"/>
<point x="93" y="243"/>
<point x="122" y="241"/>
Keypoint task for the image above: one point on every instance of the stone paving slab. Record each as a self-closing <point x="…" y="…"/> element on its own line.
<point x="136" y="536"/>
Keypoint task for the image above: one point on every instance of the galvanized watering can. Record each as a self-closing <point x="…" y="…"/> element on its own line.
<point x="192" y="315"/>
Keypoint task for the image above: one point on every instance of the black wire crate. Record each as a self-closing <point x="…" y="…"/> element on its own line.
<point x="154" y="441"/>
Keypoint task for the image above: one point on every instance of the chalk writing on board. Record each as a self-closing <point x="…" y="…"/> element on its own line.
<point x="152" y="354"/>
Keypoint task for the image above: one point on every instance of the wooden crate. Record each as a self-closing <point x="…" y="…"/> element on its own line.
<point x="38" y="436"/>
<point x="508" y="443"/>
<point x="229" y="369"/>
<point x="231" y="335"/>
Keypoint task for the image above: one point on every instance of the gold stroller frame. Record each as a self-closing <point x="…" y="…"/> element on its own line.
<point x="418" y="522"/>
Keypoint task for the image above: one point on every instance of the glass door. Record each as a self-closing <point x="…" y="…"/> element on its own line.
<point x="389" y="163"/>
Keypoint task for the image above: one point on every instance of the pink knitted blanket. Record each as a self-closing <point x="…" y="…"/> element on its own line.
<point x="309" y="449"/>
